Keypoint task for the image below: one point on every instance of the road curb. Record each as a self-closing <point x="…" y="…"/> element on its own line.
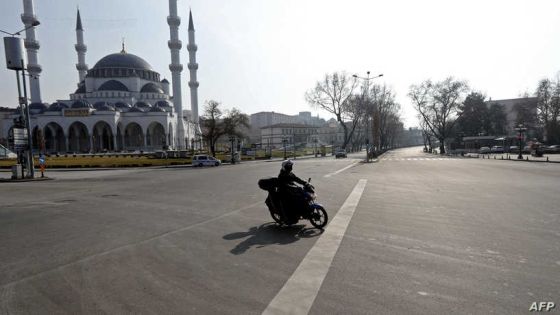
<point x="23" y="180"/>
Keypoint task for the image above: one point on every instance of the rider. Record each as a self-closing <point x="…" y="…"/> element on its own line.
<point x="286" y="176"/>
<point x="291" y="192"/>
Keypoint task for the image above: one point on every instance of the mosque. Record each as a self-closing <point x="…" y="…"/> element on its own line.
<point x="121" y="104"/>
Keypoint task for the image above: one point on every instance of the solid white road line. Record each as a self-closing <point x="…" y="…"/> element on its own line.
<point x="341" y="170"/>
<point x="299" y="292"/>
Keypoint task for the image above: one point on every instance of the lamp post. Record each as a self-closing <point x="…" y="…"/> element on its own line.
<point x="365" y="93"/>
<point x="285" y="142"/>
<point x="15" y="60"/>
<point x="520" y="129"/>
<point x="232" y="140"/>
<point x="315" y="146"/>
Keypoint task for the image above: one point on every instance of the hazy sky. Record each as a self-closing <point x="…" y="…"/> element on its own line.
<point x="261" y="55"/>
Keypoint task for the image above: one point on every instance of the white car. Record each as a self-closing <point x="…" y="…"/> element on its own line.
<point x="6" y="154"/>
<point x="484" y="150"/>
<point x="497" y="149"/>
<point x="205" y="160"/>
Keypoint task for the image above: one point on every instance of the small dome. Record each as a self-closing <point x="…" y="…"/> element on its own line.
<point x="142" y="105"/>
<point x="81" y="104"/>
<point x="81" y="89"/>
<point x="164" y="81"/>
<point x="162" y="104"/>
<point x="122" y="105"/>
<point x="37" y="108"/>
<point x="122" y="60"/>
<point x="157" y="109"/>
<point x="151" y="88"/>
<point x="135" y="110"/>
<point x="57" y="107"/>
<point x="103" y="106"/>
<point x="113" y="85"/>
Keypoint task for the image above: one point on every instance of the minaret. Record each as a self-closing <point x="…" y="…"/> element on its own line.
<point x="193" y="67"/>
<point x="32" y="45"/>
<point x="81" y="49"/>
<point x="176" y="67"/>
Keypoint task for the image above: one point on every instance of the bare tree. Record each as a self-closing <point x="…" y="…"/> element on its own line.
<point x="332" y="94"/>
<point x="235" y="122"/>
<point x="386" y="112"/>
<point x="212" y="126"/>
<point x="548" y="108"/>
<point x="437" y="103"/>
<point x="355" y="108"/>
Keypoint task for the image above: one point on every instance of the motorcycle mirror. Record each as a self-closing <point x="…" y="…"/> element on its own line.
<point x="309" y="180"/>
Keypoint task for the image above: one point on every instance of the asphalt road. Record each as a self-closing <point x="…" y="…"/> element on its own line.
<point x="426" y="235"/>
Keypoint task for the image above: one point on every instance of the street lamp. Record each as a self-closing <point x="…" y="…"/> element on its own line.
<point x="365" y="94"/>
<point x="285" y="142"/>
<point x="232" y="140"/>
<point x="315" y="140"/>
<point x="35" y="23"/>
<point x="520" y="129"/>
<point x="15" y="57"/>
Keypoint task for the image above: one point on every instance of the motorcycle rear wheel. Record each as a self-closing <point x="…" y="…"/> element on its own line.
<point x="318" y="217"/>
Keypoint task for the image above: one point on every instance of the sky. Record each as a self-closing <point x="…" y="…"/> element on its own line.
<point x="264" y="55"/>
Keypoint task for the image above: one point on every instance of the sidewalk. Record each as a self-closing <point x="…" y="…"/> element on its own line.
<point x="552" y="158"/>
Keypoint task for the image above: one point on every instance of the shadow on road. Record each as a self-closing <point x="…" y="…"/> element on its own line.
<point x="270" y="234"/>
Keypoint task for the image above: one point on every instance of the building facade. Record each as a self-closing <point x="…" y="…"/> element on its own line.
<point x="278" y="135"/>
<point x="264" y="119"/>
<point x="511" y="109"/>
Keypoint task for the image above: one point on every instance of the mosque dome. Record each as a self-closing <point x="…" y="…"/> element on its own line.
<point x="81" y="104"/>
<point x="156" y="109"/>
<point x="57" y="107"/>
<point x="113" y="85"/>
<point x="135" y="110"/>
<point x="103" y="106"/>
<point x="162" y="104"/>
<point x="151" y="88"/>
<point x="142" y="105"/>
<point x="37" y="108"/>
<point x="123" y="60"/>
<point x="122" y="105"/>
<point x="81" y="89"/>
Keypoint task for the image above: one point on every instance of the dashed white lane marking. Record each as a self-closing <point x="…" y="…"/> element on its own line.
<point x="299" y="292"/>
<point x="341" y="170"/>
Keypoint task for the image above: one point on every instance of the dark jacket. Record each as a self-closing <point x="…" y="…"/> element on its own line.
<point x="288" y="178"/>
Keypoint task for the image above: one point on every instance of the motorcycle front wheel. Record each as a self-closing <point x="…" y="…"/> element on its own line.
<point x="318" y="217"/>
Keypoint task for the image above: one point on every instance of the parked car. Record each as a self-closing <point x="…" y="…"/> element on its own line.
<point x="514" y="149"/>
<point x="526" y="149"/>
<point x="555" y="148"/>
<point x="497" y="149"/>
<point x="205" y="160"/>
<point x="340" y="153"/>
<point x="6" y="154"/>
<point x="484" y="150"/>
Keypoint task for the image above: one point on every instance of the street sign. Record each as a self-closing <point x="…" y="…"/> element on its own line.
<point x="19" y="138"/>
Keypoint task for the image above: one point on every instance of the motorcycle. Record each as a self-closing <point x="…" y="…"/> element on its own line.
<point x="312" y="211"/>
